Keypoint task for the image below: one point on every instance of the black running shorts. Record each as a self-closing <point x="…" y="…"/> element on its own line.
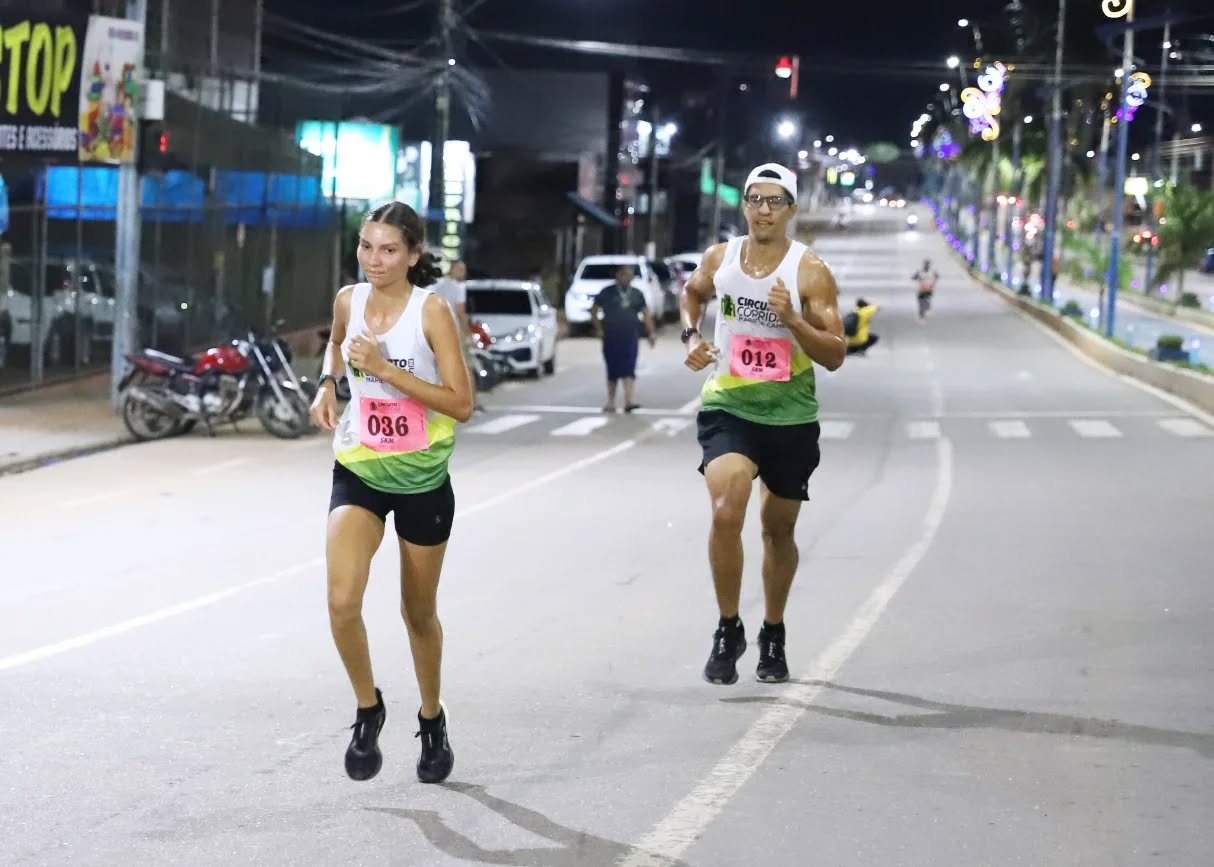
<point x="786" y="455"/>
<point x="420" y="519"/>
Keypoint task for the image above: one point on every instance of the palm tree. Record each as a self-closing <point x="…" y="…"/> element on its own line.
<point x="1185" y="232"/>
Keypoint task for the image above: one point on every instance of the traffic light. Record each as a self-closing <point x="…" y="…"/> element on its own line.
<point x="789" y="68"/>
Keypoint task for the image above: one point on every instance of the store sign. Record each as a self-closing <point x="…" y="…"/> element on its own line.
<point x="359" y="159"/>
<point x="40" y="84"/>
<point x="453" y="205"/>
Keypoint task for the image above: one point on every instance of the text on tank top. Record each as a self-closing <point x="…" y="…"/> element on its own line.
<point x="762" y="374"/>
<point x="387" y="439"/>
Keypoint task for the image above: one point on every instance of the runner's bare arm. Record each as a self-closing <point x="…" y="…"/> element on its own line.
<point x="453" y="397"/>
<point x="819" y="329"/>
<point x="333" y="364"/>
<point x="700" y="287"/>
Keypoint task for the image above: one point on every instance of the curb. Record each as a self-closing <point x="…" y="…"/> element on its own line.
<point x="25" y="465"/>
<point x="1188" y="385"/>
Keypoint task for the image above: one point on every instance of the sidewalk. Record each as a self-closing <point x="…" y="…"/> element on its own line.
<point x="58" y="422"/>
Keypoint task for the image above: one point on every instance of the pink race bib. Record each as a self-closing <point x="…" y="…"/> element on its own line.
<point x="392" y="424"/>
<point x="764" y="358"/>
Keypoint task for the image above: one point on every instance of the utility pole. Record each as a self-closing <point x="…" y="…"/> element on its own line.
<point x="442" y="124"/>
<point x="127" y="237"/>
<point x="1123" y="143"/>
<point x="1051" y="198"/>
<point x="714" y="228"/>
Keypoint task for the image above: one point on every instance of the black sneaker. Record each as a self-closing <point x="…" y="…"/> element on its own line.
<point x="728" y="645"/>
<point x="363" y="758"/>
<point x="773" y="667"/>
<point x="437" y="758"/>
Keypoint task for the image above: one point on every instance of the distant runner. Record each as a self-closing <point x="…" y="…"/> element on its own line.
<point x="778" y="317"/>
<point x="926" y="278"/>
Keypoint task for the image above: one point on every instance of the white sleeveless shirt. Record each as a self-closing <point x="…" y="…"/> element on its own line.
<point x="744" y="315"/>
<point x="404" y="345"/>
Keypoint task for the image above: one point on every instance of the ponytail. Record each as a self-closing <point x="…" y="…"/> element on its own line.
<point x="427" y="270"/>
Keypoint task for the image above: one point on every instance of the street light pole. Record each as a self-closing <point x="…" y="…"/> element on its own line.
<point x="127" y="237"/>
<point x="1051" y="198"/>
<point x="1157" y="157"/>
<point x="1118" y="9"/>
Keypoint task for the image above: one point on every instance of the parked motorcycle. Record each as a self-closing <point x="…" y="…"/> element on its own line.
<point x="165" y="395"/>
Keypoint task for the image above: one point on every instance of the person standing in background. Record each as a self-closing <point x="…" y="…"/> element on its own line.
<point x="453" y="289"/>
<point x="617" y="313"/>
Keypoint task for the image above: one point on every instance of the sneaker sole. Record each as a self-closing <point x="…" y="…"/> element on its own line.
<point x="771" y="678"/>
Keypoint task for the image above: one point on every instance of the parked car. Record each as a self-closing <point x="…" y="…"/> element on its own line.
<point x="596" y="273"/>
<point x="520" y="322"/>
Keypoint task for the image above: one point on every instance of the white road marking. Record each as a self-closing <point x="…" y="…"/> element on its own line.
<point x="691" y="817"/>
<point x="501" y="425"/>
<point x="672" y="426"/>
<point x="221" y="466"/>
<point x="112" y="494"/>
<point x="49" y="650"/>
<point x="691" y="405"/>
<point x="836" y="430"/>
<point x="1185" y="427"/>
<point x="1010" y="429"/>
<point x="582" y="427"/>
<point x="923" y="430"/>
<point x="1094" y="428"/>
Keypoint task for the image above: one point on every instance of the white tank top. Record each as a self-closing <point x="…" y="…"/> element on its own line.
<point x="744" y="313"/>
<point x="404" y="345"/>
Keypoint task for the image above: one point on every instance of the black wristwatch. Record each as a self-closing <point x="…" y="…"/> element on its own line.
<point x="323" y="378"/>
<point x="687" y="332"/>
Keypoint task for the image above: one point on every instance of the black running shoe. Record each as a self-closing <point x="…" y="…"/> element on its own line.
<point x="363" y="758"/>
<point x="437" y="758"/>
<point x="728" y="645"/>
<point x="773" y="667"/>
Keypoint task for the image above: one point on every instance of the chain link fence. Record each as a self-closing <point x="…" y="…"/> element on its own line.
<point x="236" y="233"/>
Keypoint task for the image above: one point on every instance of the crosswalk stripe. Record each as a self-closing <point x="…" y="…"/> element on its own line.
<point x="1010" y="429"/>
<point x="836" y="430"/>
<point x="582" y="427"/>
<point x="1185" y="427"/>
<point x="923" y="430"/>
<point x="1094" y="428"/>
<point x="503" y="424"/>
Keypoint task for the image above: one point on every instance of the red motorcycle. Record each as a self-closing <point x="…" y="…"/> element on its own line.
<point x="165" y="395"/>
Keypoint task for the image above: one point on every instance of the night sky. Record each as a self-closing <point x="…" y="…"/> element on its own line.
<point x="869" y="67"/>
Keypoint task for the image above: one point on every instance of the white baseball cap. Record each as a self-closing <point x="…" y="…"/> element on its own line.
<point x="773" y="173"/>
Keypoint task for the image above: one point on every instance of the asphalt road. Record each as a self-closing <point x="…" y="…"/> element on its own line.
<point x="1000" y="636"/>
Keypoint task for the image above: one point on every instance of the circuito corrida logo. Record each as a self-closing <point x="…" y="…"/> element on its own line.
<point x="750" y="310"/>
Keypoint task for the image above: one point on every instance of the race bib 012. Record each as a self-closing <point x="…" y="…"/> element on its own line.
<point x="763" y="358"/>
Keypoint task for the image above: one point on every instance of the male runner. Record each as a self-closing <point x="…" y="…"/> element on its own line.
<point x="778" y="317"/>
